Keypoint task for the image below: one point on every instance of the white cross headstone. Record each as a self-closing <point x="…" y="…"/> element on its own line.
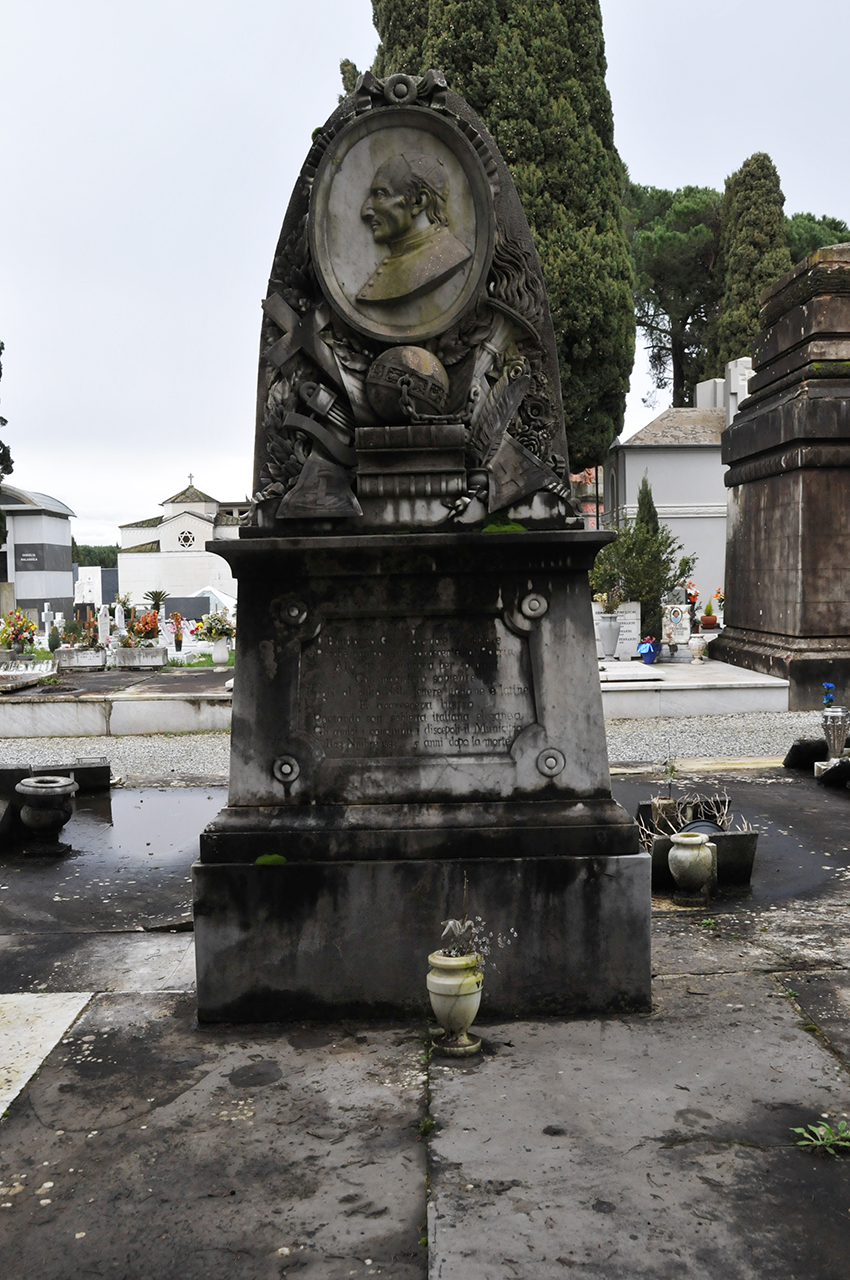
<point x="103" y="624"/>
<point x="47" y="617"/>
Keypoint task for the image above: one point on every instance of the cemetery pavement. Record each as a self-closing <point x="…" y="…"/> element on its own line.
<point x="149" y="1146"/>
<point x="628" y="1147"/>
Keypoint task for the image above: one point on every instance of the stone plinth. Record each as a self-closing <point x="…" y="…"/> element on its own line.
<point x="788" y="550"/>
<point x="407" y="708"/>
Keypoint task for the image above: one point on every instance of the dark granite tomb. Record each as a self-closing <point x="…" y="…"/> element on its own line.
<point x="416" y="692"/>
<point x="788" y="451"/>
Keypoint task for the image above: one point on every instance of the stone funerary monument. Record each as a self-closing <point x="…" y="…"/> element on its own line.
<point x="788" y="450"/>
<point x="417" y="694"/>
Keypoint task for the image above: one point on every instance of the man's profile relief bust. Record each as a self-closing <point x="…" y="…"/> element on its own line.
<point x="406" y="210"/>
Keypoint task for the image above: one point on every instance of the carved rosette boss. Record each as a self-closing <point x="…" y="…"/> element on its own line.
<point x="408" y="376"/>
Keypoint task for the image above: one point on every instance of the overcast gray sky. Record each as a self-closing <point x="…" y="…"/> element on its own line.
<point x="148" y="152"/>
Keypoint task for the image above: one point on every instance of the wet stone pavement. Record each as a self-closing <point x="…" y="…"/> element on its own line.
<point x="625" y="1147"/>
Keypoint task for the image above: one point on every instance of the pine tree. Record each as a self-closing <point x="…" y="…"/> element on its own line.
<point x="753" y="253"/>
<point x="805" y="233"/>
<point x="534" y="70"/>
<point x="675" y="239"/>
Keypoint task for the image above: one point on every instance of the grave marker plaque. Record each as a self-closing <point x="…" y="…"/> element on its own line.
<point x="416" y="693"/>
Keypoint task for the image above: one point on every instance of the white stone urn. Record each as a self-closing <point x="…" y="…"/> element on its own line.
<point x="220" y="651"/>
<point x="454" y="985"/>
<point x="609" y="632"/>
<point x="697" y="645"/>
<point x="692" y="860"/>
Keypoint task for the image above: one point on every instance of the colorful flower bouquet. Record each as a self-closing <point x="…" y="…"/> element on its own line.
<point x="214" y="626"/>
<point x="141" y="632"/>
<point x="17" y="629"/>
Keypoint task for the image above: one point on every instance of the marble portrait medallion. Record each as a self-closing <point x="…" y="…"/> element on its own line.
<point x="401" y="224"/>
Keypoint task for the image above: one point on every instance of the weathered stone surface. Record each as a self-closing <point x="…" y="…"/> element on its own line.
<point x="318" y="938"/>
<point x="788" y="541"/>
<point x="406" y="709"/>
<point x="417" y="686"/>
<point x="405" y="229"/>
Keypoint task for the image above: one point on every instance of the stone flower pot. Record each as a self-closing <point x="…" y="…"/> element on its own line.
<point x="46" y="804"/>
<point x="454" y="985"/>
<point x="697" y="646"/>
<point x="693" y="865"/>
<point x="220" y="651"/>
<point x="609" y="633"/>
<point x="157" y="656"/>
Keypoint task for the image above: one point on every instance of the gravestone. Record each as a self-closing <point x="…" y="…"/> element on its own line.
<point x="629" y="637"/>
<point x="787" y="611"/>
<point x="418" y="695"/>
<point x="103" y="624"/>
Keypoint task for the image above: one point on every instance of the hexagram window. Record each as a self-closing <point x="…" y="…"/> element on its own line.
<point x="186" y="539"/>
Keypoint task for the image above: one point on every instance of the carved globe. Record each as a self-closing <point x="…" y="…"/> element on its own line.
<point x="406" y="369"/>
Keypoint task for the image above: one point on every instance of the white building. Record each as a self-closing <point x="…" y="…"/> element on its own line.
<point x="679" y="453"/>
<point x="37" y="551"/>
<point x="167" y="552"/>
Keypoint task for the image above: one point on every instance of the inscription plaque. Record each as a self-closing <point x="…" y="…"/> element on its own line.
<point x="389" y="687"/>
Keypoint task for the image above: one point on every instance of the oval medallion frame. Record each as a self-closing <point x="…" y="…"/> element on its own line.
<point x="347" y="260"/>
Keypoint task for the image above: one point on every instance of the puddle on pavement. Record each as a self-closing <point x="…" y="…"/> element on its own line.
<point x="129" y="865"/>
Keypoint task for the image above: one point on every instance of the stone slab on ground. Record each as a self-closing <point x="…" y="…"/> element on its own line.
<point x="35" y="962"/>
<point x="204" y="1154"/>
<point x="670" y="690"/>
<point x="29" y="1028"/>
<point x="86" y="704"/>
<point x="654" y="1146"/>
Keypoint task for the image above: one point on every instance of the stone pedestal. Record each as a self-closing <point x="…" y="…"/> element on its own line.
<point x="788" y="548"/>
<point x="409" y="708"/>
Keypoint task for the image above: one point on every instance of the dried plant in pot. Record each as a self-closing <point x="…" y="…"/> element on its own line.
<point x="456" y="980"/>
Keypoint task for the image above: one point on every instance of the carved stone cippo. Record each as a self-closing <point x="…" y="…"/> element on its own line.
<point x="418" y="692"/>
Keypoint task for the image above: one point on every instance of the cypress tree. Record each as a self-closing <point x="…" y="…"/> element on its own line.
<point x="643" y="563"/>
<point x="647" y="515"/>
<point x="534" y="70"/>
<point x="402" y="25"/>
<point x="753" y="253"/>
